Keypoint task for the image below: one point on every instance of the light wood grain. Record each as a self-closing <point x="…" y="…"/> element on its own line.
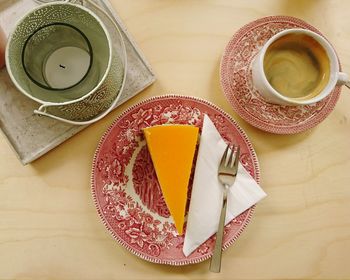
<point x="49" y="228"/>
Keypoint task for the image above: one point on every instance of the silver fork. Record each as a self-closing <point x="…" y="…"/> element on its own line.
<point x="227" y="172"/>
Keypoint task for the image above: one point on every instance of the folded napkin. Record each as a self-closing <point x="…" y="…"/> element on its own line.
<point x="207" y="191"/>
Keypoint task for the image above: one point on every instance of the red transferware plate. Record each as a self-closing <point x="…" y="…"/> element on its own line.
<point x="125" y="188"/>
<point x="236" y="81"/>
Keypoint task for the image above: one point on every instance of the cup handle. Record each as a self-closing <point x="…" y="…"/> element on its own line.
<point x="41" y="111"/>
<point x="343" y="79"/>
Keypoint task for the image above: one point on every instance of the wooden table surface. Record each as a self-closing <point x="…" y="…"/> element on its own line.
<point x="49" y="227"/>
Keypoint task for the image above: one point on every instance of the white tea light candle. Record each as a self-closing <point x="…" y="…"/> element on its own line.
<point x="66" y="67"/>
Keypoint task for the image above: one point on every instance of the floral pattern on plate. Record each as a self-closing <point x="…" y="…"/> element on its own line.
<point x="236" y="81"/>
<point x="125" y="188"/>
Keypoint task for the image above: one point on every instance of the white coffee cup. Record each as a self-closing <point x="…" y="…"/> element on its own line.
<point x="271" y="95"/>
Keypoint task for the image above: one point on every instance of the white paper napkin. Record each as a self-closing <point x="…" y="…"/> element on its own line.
<point x="207" y="191"/>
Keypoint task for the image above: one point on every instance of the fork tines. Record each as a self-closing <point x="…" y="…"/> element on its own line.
<point x="229" y="161"/>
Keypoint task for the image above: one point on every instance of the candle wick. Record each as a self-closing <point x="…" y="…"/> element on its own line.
<point x="62" y="66"/>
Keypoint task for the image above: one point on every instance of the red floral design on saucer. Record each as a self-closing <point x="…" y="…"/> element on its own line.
<point x="125" y="188"/>
<point x="236" y="81"/>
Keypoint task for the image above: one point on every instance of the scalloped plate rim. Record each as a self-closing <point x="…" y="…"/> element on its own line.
<point x="108" y="226"/>
<point x="253" y="119"/>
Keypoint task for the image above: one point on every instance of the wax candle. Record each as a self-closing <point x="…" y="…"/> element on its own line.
<point x="66" y="67"/>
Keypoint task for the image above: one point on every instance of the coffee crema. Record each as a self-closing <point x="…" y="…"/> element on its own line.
<point x="297" y="66"/>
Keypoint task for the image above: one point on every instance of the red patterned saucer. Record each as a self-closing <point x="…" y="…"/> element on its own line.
<point x="236" y="81"/>
<point x="125" y="188"/>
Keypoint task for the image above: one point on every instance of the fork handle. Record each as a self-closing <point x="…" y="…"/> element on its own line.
<point x="215" y="263"/>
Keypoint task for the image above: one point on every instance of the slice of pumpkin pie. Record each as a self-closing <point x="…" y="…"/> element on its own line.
<point x="172" y="148"/>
